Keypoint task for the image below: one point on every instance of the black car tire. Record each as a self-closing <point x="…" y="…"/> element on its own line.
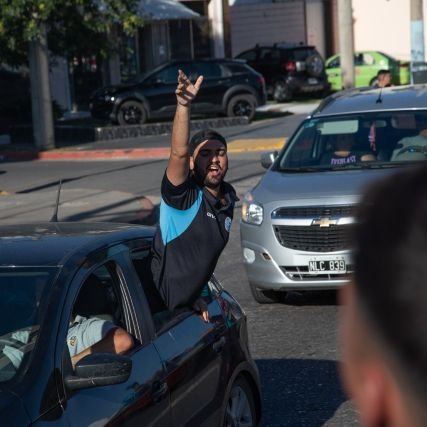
<point x="266" y="296"/>
<point x="314" y="65"/>
<point x="281" y="92"/>
<point x="240" y="405"/>
<point x="242" y="105"/>
<point x="131" y="113"/>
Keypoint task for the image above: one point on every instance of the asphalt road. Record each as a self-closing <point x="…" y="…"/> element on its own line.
<point x="294" y="343"/>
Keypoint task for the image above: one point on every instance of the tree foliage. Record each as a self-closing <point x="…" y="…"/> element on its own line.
<point x="71" y="24"/>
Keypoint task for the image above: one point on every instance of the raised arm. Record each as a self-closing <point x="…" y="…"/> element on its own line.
<point x="178" y="165"/>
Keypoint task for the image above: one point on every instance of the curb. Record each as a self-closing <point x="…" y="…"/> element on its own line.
<point x="235" y="146"/>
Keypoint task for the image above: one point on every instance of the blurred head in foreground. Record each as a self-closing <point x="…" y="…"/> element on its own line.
<point x="383" y="330"/>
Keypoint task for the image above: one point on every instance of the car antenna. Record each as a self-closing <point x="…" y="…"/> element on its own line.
<point x="55" y="213"/>
<point x="379" y="99"/>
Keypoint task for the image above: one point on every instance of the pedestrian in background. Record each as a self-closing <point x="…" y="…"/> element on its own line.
<point x="384" y="325"/>
<point x="383" y="79"/>
<point x="196" y="209"/>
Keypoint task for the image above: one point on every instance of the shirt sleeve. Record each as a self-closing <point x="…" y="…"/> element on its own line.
<point x="179" y="196"/>
<point x="86" y="333"/>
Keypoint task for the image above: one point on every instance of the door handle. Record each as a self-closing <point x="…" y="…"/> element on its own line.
<point x="219" y="344"/>
<point x="159" y="391"/>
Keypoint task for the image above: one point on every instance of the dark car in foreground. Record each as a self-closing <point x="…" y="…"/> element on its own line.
<point x="230" y="87"/>
<point x="180" y="370"/>
<point x="289" y="70"/>
<point x="296" y="221"/>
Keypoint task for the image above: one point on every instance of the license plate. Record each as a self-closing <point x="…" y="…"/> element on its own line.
<point x="312" y="81"/>
<point x="327" y="266"/>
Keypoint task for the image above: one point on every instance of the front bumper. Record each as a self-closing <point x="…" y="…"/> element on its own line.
<point x="271" y="266"/>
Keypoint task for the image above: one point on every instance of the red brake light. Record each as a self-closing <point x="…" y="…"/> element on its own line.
<point x="290" y="66"/>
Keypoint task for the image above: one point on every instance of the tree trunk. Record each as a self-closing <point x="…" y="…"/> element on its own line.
<point x="41" y="102"/>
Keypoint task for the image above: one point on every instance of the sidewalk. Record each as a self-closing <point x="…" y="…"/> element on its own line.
<point x="157" y="146"/>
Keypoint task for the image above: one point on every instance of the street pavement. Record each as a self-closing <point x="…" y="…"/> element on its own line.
<point x="263" y="135"/>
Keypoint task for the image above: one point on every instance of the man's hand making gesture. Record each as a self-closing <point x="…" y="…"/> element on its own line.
<point x="186" y="91"/>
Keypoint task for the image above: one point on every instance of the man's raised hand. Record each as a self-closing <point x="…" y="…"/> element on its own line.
<point x="187" y="91"/>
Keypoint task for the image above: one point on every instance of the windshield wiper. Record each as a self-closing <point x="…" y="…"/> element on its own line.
<point x="300" y="169"/>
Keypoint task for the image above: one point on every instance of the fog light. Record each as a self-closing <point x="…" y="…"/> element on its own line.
<point x="248" y="255"/>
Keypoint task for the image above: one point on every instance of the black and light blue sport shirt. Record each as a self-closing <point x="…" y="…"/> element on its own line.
<point x="193" y="230"/>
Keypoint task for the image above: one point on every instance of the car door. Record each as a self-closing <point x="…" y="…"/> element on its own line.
<point x="195" y="355"/>
<point x="215" y="84"/>
<point x="365" y="69"/>
<point x="142" y="399"/>
<point x="159" y="90"/>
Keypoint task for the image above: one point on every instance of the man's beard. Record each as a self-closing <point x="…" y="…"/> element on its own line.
<point x="209" y="181"/>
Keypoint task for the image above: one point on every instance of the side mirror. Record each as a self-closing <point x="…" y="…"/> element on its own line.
<point x="100" y="369"/>
<point x="267" y="159"/>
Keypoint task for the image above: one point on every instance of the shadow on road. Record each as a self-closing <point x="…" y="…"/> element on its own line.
<point x="299" y="392"/>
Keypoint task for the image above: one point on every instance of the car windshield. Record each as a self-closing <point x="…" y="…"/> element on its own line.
<point x="22" y="291"/>
<point x="365" y="140"/>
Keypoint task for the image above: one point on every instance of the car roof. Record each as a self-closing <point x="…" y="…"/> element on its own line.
<point x="51" y="244"/>
<point x="368" y="99"/>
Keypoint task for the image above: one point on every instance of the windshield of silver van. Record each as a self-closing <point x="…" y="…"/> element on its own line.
<point x="357" y="141"/>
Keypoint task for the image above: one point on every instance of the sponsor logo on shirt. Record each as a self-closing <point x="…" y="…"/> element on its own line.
<point x="210" y="215"/>
<point x="227" y="224"/>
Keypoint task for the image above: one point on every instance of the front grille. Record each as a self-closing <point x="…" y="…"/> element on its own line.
<point x="314" y="238"/>
<point x="300" y="273"/>
<point x="314" y="211"/>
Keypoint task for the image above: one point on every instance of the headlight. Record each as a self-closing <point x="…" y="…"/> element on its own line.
<point x="252" y="212"/>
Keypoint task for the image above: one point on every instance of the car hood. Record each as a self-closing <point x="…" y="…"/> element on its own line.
<point x="315" y="186"/>
<point x="12" y="411"/>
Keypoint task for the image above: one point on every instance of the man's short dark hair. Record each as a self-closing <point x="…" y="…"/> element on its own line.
<point x="204" y="135"/>
<point x="390" y="261"/>
<point x="382" y="72"/>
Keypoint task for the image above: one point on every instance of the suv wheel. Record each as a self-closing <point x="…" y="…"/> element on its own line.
<point x="266" y="296"/>
<point x="240" y="406"/>
<point x="131" y="113"/>
<point x="281" y="92"/>
<point x="314" y="65"/>
<point x="242" y="105"/>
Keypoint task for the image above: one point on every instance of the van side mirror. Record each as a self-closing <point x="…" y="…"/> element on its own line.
<point x="267" y="159"/>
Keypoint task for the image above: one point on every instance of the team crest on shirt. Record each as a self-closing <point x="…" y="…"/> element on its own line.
<point x="227" y="224"/>
<point x="72" y="341"/>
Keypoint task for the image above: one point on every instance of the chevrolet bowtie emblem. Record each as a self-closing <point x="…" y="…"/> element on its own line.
<point x="324" y="222"/>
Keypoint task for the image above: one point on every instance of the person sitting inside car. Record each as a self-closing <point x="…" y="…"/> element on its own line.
<point x="86" y="334"/>
<point x="343" y="153"/>
<point x="94" y="335"/>
<point x="413" y="147"/>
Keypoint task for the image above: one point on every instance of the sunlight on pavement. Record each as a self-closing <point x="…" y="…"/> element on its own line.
<point x="256" y="144"/>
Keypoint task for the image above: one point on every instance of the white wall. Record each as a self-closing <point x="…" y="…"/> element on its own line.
<point x="266" y="23"/>
<point x="384" y="25"/>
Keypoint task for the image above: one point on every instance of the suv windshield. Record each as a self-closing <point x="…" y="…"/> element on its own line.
<point x="357" y="141"/>
<point x="21" y="292"/>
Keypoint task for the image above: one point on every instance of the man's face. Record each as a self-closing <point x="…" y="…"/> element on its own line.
<point x="210" y="162"/>
<point x="386" y="80"/>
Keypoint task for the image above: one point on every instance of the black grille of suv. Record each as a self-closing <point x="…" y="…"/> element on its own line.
<point x="314" y="238"/>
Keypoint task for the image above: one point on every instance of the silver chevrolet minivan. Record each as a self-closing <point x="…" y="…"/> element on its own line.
<point x="295" y="222"/>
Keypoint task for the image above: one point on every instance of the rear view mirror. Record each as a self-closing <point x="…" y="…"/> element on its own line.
<point x="267" y="159"/>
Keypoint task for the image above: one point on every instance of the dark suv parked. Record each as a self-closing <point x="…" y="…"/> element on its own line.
<point x="289" y="69"/>
<point x="230" y="87"/>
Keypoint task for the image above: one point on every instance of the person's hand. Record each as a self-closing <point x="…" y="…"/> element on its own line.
<point x="186" y="91"/>
<point x="201" y="307"/>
